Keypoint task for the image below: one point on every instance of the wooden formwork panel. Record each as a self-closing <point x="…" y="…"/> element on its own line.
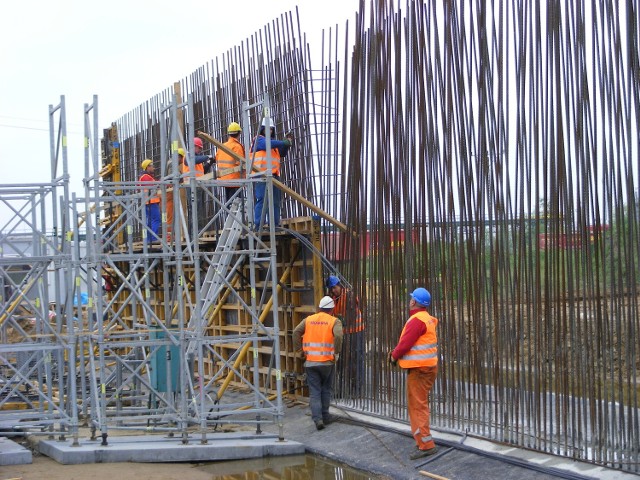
<point x="299" y="294"/>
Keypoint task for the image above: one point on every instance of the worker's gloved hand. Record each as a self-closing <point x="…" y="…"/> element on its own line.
<point x="287" y="142"/>
<point x="392" y="361"/>
<point x="336" y="357"/>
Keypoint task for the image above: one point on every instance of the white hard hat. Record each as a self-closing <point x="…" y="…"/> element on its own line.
<point x="326" y="302"/>
<point x="270" y="120"/>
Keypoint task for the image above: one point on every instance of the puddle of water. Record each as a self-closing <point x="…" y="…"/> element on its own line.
<point x="293" y="467"/>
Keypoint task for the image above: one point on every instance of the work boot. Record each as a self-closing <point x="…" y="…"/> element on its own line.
<point x="416" y="454"/>
<point x="327" y="420"/>
<point x="319" y="425"/>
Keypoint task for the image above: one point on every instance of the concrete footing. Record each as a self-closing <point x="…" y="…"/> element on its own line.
<point x="156" y="448"/>
<point x="12" y="453"/>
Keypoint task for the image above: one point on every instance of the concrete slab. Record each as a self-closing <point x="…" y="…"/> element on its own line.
<point x="156" y="448"/>
<point x="12" y="453"/>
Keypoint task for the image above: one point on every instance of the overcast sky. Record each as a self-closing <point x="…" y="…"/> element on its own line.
<point x="124" y="51"/>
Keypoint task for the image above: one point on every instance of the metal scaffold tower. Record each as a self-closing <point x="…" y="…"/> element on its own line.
<point x="150" y="346"/>
<point x="37" y="343"/>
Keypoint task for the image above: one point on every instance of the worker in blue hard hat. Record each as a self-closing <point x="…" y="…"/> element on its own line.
<point x="351" y="372"/>
<point x="417" y="352"/>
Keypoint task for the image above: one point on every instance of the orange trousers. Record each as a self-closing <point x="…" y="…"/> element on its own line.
<point x="419" y="383"/>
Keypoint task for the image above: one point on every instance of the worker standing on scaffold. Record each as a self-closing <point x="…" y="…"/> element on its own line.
<point x="279" y="149"/>
<point x="153" y="203"/>
<point x="200" y="162"/>
<point x="226" y="161"/>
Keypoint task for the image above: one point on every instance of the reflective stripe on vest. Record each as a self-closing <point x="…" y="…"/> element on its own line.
<point x="318" y="338"/>
<point x="199" y="169"/>
<point x="225" y="161"/>
<point x="424" y="353"/>
<point x="260" y="161"/>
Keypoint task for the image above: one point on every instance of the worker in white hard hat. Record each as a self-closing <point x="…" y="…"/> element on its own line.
<point x="152" y="201"/>
<point x="226" y="161"/>
<point x="319" y="338"/>
<point x="262" y="163"/>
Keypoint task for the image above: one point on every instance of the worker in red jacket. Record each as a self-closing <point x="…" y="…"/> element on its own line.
<point x="152" y="200"/>
<point x="417" y="352"/>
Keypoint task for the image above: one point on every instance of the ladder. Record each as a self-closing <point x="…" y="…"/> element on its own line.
<point x="213" y="282"/>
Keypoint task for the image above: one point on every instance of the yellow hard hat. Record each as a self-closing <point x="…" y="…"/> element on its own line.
<point x="234" y="127"/>
<point x="181" y="152"/>
<point x="146" y="163"/>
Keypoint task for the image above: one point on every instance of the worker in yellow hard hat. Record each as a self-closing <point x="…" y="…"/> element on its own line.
<point x="226" y="161"/>
<point x="152" y="205"/>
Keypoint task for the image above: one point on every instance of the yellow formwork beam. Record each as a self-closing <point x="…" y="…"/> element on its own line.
<point x="245" y="348"/>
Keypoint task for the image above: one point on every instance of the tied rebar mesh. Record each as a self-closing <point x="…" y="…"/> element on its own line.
<point x="487" y="151"/>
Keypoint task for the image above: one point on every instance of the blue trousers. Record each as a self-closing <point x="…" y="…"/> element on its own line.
<point x="259" y="190"/>
<point x="320" y="381"/>
<point x="153" y="220"/>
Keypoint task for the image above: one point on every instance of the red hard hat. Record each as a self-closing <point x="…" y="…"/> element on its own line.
<point x="198" y="142"/>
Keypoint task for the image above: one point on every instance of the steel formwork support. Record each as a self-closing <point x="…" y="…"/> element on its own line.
<point x="34" y="388"/>
<point x="131" y="335"/>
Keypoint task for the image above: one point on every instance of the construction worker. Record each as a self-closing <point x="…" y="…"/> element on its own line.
<point x="319" y="337"/>
<point x="351" y="375"/>
<point x="226" y="161"/>
<point x="417" y="352"/>
<point x="279" y="149"/>
<point x="153" y="203"/>
<point x="200" y="162"/>
<point x="153" y="200"/>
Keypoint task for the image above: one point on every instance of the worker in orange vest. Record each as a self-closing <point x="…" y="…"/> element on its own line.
<point x="417" y="352"/>
<point x="351" y="373"/>
<point x="319" y="337"/>
<point x="153" y="201"/>
<point x="279" y="149"/>
<point x="201" y="163"/>
<point x="226" y="161"/>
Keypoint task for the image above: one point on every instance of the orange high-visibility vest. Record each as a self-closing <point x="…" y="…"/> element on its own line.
<point x="224" y="160"/>
<point x="260" y="161"/>
<point x="199" y="168"/>
<point x="318" y="338"/>
<point x="146" y="178"/>
<point x="341" y="308"/>
<point x="424" y="352"/>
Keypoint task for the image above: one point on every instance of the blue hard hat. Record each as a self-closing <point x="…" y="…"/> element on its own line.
<point x="421" y="296"/>
<point x="332" y="281"/>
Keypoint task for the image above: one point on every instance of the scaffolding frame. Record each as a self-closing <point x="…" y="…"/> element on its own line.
<point x="36" y="324"/>
<point x="127" y="349"/>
